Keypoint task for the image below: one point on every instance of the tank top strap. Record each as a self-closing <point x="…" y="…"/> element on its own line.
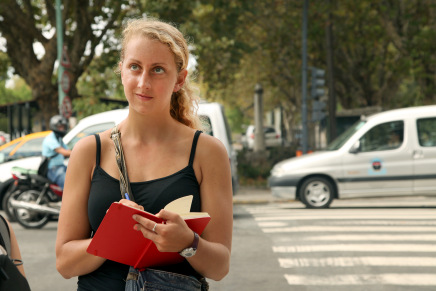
<point x="194" y="147"/>
<point x="97" y="156"/>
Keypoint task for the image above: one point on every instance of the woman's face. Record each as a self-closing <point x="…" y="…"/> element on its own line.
<point x="149" y="75"/>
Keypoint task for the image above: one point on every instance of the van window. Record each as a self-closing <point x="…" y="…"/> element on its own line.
<point x="385" y="136"/>
<point x="90" y="130"/>
<point x="226" y="123"/>
<point x="426" y="132"/>
<point x="205" y="124"/>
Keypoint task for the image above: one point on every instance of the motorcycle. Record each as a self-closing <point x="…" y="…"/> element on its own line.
<point x="33" y="199"/>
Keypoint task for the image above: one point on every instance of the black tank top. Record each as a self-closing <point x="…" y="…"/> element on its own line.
<point x="153" y="195"/>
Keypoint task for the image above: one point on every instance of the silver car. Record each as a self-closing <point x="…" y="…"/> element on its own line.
<point x="392" y="153"/>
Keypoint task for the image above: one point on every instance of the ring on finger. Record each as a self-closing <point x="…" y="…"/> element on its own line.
<point x="154" y="228"/>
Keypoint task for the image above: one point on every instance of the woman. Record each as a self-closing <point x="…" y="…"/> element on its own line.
<point x="166" y="159"/>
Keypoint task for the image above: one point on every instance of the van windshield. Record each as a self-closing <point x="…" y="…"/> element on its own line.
<point x="338" y="142"/>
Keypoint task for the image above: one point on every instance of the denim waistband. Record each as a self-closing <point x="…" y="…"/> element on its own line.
<point x="161" y="280"/>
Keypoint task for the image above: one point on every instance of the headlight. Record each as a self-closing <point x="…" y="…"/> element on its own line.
<point x="277" y="171"/>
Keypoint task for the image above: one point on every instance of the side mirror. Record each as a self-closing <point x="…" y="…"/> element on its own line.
<point x="355" y="148"/>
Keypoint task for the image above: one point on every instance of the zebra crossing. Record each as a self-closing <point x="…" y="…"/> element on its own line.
<point x="374" y="248"/>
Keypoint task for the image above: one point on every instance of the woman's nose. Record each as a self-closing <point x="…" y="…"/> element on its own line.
<point x="144" y="81"/>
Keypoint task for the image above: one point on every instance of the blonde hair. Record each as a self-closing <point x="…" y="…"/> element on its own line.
<point x="184" y="102"/>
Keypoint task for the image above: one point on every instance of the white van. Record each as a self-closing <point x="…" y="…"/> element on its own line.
<point x="392" y="153"/>
<point x="211" y="113"/>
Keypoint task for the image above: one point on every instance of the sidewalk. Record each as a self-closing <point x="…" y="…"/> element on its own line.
<point x="254" y="195"/>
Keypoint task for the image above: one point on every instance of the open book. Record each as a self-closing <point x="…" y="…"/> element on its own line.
<point x="116" y="240"/>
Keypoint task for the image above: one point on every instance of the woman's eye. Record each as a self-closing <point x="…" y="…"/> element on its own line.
<point x="159" y="70"/>
<point x="134" y="67"/>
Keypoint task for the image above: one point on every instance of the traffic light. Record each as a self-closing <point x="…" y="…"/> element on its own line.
<point x="316" y="92"/>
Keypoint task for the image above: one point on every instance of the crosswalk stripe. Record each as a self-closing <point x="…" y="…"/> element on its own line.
<point x="359" y="222"/>
<point x="325" y="228"/>
<point x="366" y="237"/>
<point x="357" y="261"/>
<point x="364" y="279"/>
<point x="413" y="248"/>
<point x="341" y="217"/>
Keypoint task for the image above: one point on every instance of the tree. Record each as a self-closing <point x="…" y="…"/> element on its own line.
<point x="86" y="24"/>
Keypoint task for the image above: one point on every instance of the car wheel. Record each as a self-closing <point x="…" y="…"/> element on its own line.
<point x="317" y="192"/>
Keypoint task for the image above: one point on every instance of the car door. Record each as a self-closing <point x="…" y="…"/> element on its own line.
<point x="383" y="164"/>
<point x="424" y="157"/>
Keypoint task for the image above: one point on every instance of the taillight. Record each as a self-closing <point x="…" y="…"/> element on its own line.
<point x="56" y="189"/>
<point x="252" y="135"/>
<point x="15" y="177"/>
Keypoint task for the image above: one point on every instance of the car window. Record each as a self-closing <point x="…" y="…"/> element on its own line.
<point x="7" y="150"/>
<point x="90" y="130"/>
<point x="426" y="133"/>
<point x="269" y="130"/>
<point x="385" y="136"/>
<point x="30" y="148"/>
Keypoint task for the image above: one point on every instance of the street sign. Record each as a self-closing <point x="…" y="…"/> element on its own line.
<point x="67" y="107"/>
<point x="65" y="82"/>
<point x="65" y="59"/>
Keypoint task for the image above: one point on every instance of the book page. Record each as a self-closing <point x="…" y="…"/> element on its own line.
<point x="181" y="205"/>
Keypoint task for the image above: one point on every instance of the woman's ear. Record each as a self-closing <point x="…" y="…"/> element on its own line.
<point x="181" y="77"/>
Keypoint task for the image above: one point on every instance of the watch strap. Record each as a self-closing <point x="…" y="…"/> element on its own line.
<point x="191" y="250"/>
<point x="195" y="242"/>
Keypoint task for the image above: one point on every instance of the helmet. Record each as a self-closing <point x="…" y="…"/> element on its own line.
<point x="59" y="125"/>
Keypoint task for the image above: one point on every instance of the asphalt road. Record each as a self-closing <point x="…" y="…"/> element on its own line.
<point x="254" y="264"/>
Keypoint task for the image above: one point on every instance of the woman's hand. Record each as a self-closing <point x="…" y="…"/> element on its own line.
<point x="172" y="236"/>
<point x="130" y="203"/>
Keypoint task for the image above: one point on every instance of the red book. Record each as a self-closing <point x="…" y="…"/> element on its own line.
<point x="116" y="240"/>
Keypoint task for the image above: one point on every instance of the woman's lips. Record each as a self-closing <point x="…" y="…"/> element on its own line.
<point x="143" y="97"/>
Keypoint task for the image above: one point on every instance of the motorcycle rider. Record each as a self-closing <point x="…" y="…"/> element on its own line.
<point x="54" y="148"/>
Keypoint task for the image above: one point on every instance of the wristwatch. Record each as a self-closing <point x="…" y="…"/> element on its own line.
<point x="189" y="252"/>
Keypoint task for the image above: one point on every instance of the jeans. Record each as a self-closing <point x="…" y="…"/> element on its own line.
<point x="157" y="280"/>
<point x="57" y="175"/>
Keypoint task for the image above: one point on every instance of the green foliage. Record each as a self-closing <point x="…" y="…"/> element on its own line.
<point x="19" y="92"/>
<point x="236" y="119"/>
<point x="4" y="66"/>
<point x="254" y="168"/>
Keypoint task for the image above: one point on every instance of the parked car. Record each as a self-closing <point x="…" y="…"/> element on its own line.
<point x="215" y="124"/>
<point x="26" y="146"/>
<point x="392" y="153"/>
<point x="272" y="137"/>
<point x="212" y="115"/>
<point x="4" y="138"/>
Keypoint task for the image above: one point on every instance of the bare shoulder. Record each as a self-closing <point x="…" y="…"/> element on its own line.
<point x="84" y="144"/>
<point x="210" y="148"/>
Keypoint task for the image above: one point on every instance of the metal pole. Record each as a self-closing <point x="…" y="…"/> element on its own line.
<point x="60" y="39"/>
<point x="259" y="140"/>
<point x="330" y="75"/>
<point x="304" y="79"/>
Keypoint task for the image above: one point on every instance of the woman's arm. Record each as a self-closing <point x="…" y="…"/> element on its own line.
<point x="212" y="259"/>
<point x="15" y="249"/>
<point x="73" y="228"/>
